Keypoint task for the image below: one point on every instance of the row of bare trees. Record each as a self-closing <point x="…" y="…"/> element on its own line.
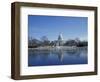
<point x="44" y="41"/>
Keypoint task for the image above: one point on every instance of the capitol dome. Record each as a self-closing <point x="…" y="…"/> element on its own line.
<point x="60" y="37"/>
<point x="60" y="40"/>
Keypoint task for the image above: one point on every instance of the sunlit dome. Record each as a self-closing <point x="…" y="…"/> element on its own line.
<point x="60" y="37"/>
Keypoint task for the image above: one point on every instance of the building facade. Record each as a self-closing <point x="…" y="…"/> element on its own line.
<point x="60" y="40"/>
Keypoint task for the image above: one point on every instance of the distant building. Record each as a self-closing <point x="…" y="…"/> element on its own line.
<point x="60" y="42"/>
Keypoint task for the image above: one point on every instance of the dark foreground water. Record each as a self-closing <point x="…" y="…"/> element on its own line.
<point x="57" y="57"/>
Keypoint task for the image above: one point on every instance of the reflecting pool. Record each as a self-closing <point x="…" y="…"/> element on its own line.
<point x="57" y="57"/>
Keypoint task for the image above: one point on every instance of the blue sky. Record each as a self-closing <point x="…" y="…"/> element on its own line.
<point x="52" y="26"/>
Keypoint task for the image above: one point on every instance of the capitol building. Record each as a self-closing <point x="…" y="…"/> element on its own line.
<point x="60" y="40"/>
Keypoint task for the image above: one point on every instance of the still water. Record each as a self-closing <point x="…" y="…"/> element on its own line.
<point x="57" y="57"/>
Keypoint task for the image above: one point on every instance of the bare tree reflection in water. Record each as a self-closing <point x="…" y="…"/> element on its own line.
<point x="57" y="57"/>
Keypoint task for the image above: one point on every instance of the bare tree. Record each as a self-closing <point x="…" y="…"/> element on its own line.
<point x="45" y="41"/>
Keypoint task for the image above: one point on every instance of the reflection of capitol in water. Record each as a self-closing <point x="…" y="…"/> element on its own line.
<point x="59" y="53"/>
